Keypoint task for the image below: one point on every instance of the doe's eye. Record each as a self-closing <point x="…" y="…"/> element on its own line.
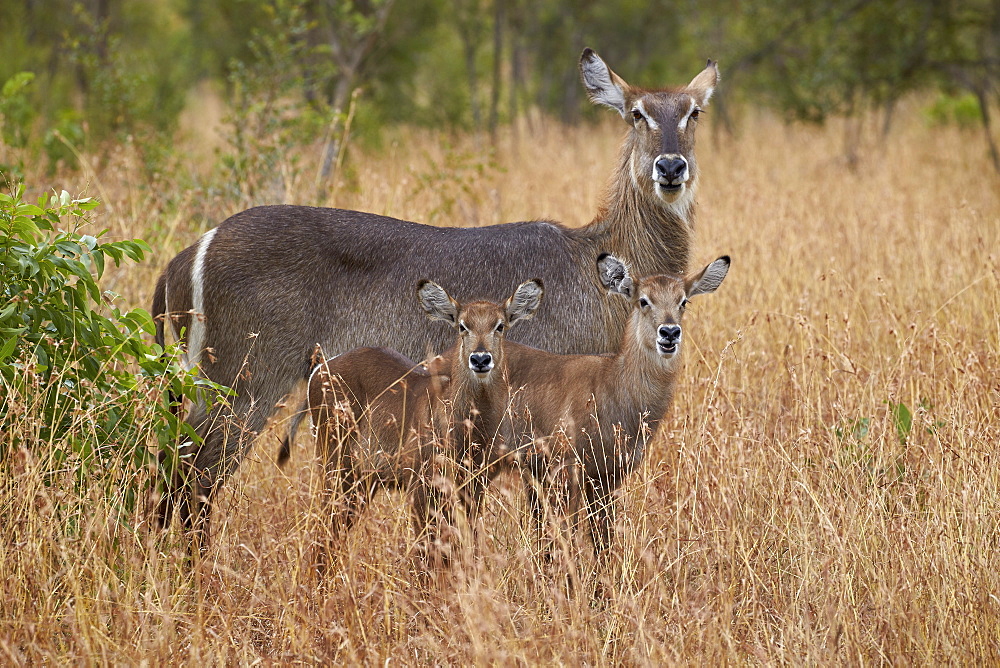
<point x="637" y="115"/>
<point x="695" y="114"/>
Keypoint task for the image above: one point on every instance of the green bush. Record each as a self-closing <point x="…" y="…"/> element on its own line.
<point x="961" y="110"/>
<point x="17" y="116"/>
<point x="16" y="111"/>
<point x="82" y="389"/>
<point x="61" y="138"/>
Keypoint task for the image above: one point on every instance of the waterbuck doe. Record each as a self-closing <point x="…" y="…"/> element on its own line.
<point x="254" y="296"/>
<point x="381" y="419"/>
<point x="589" y="416"/>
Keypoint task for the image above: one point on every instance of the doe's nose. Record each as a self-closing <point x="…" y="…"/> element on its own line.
<point x="670" y="169"/>
<point x="480" y="362"/>
<point x="670" y="332"/>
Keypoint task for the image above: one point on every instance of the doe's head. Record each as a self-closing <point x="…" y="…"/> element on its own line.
<point x="658" y="301"/>
<point x="481" y="325"/>
<point x="662" y="124"/>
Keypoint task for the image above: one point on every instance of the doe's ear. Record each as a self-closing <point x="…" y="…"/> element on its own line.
<point x="614" y="275"/>
<point x="525" y="301"/>
<point x="703" y="85"/>
<point x="603" y="86"/>
<point x="708" y="279"/>
<point x="436" y="302"/>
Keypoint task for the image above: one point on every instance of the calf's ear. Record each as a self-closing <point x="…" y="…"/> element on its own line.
<point x="437" y="303"/>
<point x="525" y="301"/>
<point x="708" y="279"/>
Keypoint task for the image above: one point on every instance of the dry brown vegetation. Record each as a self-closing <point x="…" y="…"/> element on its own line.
<point x="783" y="516"/>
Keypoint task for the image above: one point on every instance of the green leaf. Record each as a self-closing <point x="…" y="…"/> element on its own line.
<point x="69" y="247"/>
<point x="8" y="348"/>
<point x="98" y="257"/>
<point x="902" y="418"/>
<point x="134" y="250"/>
<point x="29" y="267"/>
<point x="8" y="311"/>
<point x="42" y="355"/>
<point x="30" y="210"/>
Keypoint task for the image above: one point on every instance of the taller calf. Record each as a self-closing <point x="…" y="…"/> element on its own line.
<point x="591" y="415"/>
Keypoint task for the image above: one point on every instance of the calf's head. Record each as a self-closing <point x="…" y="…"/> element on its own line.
<point x="658" y="301"/>
<point x="481" y="325"/>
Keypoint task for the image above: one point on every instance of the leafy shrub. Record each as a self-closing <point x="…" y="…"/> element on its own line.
<point x="17" y="115"/>
<point x="960" y="110"/>
<point x="16" y="110"/>
<point x="61" y="138"/>
<point x="81" y="387"/>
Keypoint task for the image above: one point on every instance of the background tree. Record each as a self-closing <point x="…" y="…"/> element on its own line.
<point x="348" y="32"/>
<point x="104" y="69"/>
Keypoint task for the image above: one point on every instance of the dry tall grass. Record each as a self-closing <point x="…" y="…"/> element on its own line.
<point x="783" y="515"/>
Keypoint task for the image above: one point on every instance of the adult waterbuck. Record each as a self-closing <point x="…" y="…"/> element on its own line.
<point x="588" y="417"/>
<point x="255" y="295"/>
<point x="382" y="420"/>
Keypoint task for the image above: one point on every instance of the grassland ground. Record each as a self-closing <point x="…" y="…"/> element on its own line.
<point x="823" y="490"/>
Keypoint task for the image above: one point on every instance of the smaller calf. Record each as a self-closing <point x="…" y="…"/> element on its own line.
<point x="382" y="419"/>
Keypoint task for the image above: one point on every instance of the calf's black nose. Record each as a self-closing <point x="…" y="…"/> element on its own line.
<point x="670" y="332"/>
<point x="481" y="361"/>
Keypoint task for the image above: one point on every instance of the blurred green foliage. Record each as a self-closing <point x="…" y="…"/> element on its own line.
<point x="96" y="70"/>
<point x="961" y="110"/>
<point x="16" y="110"/>
<point x="124" y="66"/>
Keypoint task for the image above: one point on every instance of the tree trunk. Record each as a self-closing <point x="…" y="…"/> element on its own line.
<point x="888" y="116"/>
<point x="349" y="50"/>
<point x="469" y="47"/>
<point x="984" y="109"/>
<point x="498" y="19"/>
<point x="332" y="147"/>
<point x="516" y="79"/>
